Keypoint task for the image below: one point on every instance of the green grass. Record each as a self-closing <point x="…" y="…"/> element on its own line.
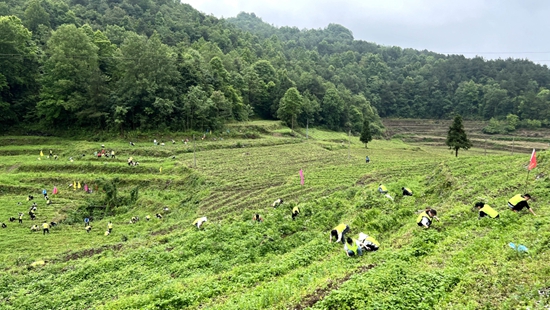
<point x="233" y="263"/>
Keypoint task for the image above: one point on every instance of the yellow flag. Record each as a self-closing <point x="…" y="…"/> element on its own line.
<point x="79" y="187"/>
<point x="41" y="154"/>
<point x="160" y="169"/>
<point x="74" y="185"/>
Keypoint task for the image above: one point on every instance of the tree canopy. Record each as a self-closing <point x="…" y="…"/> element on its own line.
<point x="162" y="64"/>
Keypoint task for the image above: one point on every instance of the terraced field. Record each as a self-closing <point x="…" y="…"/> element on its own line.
<point x="434" y="133"/>
<point x="235" y="263"/>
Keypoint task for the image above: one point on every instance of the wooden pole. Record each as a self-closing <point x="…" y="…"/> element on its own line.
<point x="194" y="157"/>
<point x="485" y="147"/>
<point x="307" y="127"/>
<point x="349" y="144"/>
<point x="513" y="140"/>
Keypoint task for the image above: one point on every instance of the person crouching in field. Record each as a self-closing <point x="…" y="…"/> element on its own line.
<point x="367" y="242"/>
<point x="518" y="202"/>
<point x="34" y="228"/>
<point x="277" y="203"/>
<point x="339" y="233"/>
<point x="486" y="210"/>
<point x="257" y="218"/>
<point x="406" y="191"/>
<point x="382" y="189"/>
<point x="46" y="228"/>
<point x="295" y="212"/>
<point x="198" y="222"/>
<point x="426" y="217"/>
<point x="352" y="248"/>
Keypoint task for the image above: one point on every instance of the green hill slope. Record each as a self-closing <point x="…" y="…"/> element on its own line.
<point x="234" y="263"/>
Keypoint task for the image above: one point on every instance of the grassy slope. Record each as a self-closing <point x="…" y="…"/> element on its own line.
<point x="236" y="264"/>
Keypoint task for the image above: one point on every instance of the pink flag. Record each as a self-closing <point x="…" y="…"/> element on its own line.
<point x="301" y="177"/>
<point x="54" y="190"/>
<point x="533" y="161"/>
<point x="86" y="188"/>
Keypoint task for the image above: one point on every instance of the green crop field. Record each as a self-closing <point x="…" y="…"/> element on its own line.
<point x="232" y="262"/>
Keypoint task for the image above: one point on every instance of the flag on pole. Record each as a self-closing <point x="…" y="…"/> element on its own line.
<point x="41" y="154"/>
<point x="74" y="185"/>
<point x="301" y="177"/>
<point x="78" y="186"/>
<point x="160" y="169"/>
<point x="54" y="190"/>
<point x="533" y="161"/>
<point x="86" y="188"/>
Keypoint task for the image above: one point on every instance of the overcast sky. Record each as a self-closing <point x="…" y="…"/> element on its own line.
<point x="489" y="28"/>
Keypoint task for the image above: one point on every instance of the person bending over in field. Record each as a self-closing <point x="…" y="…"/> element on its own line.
<point x="518" y="202"/>
<point x="159" y="216"/>
<point x="46" y="228"/>
<point x="12" y="219"/>
<point x="147" y="218"/>
<point x="352" y="248"/>
<point x="257" y="218"/>
<point x="30" y="197"/>
<point x="277" y="203"/>
<point x="426" y="217"/>
<point x="339" y="233"/>
<point x="295" y="212"/>
<point x="88" y="228"/>
<point x="382" y="189"/>
<point x="486" y="210"/>
<point x="34" y="228"/>
<point x="367" y="242"/>
<point x="198" y="222"/>
<point x="406" y="191"/>
<point x="4" y="225"/>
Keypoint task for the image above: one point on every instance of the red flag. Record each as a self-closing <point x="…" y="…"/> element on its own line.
<point x="533" y="161"/>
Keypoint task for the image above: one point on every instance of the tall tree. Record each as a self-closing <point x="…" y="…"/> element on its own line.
<point x="68" y="74"/>
<point x="18" y="70"/>
<point x="456" y="137"/>
<point x="366" y="136"/>
<point x="290" y="106"/>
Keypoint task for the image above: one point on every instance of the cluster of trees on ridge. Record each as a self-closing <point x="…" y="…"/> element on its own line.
<point x="160" y="64"/>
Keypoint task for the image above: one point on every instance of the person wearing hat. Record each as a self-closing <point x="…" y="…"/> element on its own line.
<point x="426" y="217"/>
<point x="406" y="191"/>
<point x="518" y="202"/>
<point x="486" y="210"/>
<point x="198" y="222"/>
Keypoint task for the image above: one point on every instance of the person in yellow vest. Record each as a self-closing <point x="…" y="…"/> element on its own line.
<point x="113" y="154"/>
<point x="382" y="189"/>
<point x="352" y="248"/>
<point x="46" y="228"/>
<point x="518" y="202"/>
<point x="295" y="212"/>
<point x="486" y="210"/>
<point x="198" y="222"/>
<point x="109" y="226"/>
<point x="406" y="191"/>
<point x="339" y="233"/>
<point x="147" y="217"/>
<point x="426" y="217"/>
<point x="367" y="242"/>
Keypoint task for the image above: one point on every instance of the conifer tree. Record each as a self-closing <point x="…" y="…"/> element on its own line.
<point x="456" y="138"/>
<point x="366" y="135"/>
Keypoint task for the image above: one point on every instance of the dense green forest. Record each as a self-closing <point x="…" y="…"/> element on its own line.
<point x="159" y="64"/>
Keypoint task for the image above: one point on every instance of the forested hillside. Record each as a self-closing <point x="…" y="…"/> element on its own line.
<point x="158" y="64"/>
